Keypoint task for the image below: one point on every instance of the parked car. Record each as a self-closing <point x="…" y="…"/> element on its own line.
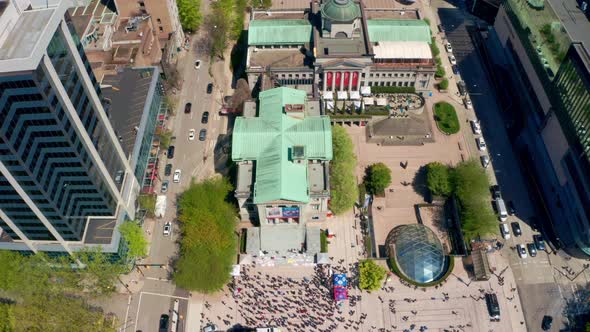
<point x="441" y="28"/>
<point x="467" y="102"/>
<point x="539" y="242"/>
<point x="205" y="117"/>
<point x="495" y="190"/>
<point x="546" y="323"/>
<point x="501" y="209"/>
<point x="521" y="251"/>
<point x="481" y="144"/>
<point x="164" y="186"/>
<point x="455" y="69"/>
<point x="452" y="59"/>
<point x="164" y="322"/>
<point x="516" y="228"/>
<point x="476" y="127"/>
<point x="167" y="228"/>
<point x="505" y="231"/>
<point x="187" y="108"/>
<point x="171" y="149"/>
<point x="197" y="64"/>
<point x="191" y="135"/>
<point x="462" y="88"/>
<point x="210" y="328"/>
<point x="202" y="134"/>
<point x="168" y="170"/>
<point x="176" y="177"/>
<point x="448" y="47"/>
<point x="532" y="249"/>
<point x="209" y="88"/>
<point x="485" y="160"/>
<point x="511" y="208"/>
<point x="493" y="306"/>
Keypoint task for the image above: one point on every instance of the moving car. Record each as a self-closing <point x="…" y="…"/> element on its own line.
<point x="191" y="135"/>
<point x="167" y="228"/>
<point x="171" y="149"/>
<point x="546" y="323"/>
<point x="481" y="144"/>
<point x="164" y="186"/>
<point x="468" y="103"/>
<point x="197" y="64"/>
<point x="205" y="117"/>
<point x="448" y="47"/>
<point x="176" y="177"/>
<point x="168" y="170"/>
<point x="493" y="306"/>
<point x="209" y="88"/>
<point x="476" y="127"/>
<point x="516" y="228"/>
<point x="532" y="249"/>
<point x="164" y="320"/>
<point x="485" y="160"/>
<point x="521" y="251"/>
<point x="202" y="134"/>
<point x="452" y="59"/>
<point x="505" y="231"/>
<point x="539" y="242"/>
<point x="187" y="108"/>
<point x="511" y="208"/>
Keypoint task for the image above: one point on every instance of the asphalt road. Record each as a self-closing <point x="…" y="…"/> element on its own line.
<point x="539" y="293"/>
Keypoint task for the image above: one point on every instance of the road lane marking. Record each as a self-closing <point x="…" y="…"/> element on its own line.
<point x="127" y="313"/>
<point x="137" y="314"/>
<point x="165" y="295"/>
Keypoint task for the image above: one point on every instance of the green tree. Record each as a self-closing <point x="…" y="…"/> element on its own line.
<point x="208" y="245"/>
<point x="343" y="187"/>
<point x="378" y="178"/>
<point x="165" y="137"/>
<point x="371" y="275"/>
<point x="189" y="12"/>
<point x="438" y="179"/>
<point x="147" y="202"/>
<point x="7" y="318"/>
<point x="444" y="84"/>
<point x="133" y="235"/>
<point x="471" y="185"/>
<point x="440" y="72"/>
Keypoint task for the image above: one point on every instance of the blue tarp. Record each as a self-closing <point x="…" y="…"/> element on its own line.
<point x="340" y="280"/>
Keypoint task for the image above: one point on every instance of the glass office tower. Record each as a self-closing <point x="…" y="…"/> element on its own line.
<point x="61" y="165"/>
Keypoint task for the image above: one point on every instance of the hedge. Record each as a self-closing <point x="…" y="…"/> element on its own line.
<point x="323" y="241"/>
<point x="393" y="89"/>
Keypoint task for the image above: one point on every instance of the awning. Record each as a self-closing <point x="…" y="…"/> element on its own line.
<point x="330" y="105"/>
<point x="381" y="101"/>
<point x="369" y="101"/>
<point x="328" y="95"/>
<point x="355" y="95"/>
<point x="366" y="90"/>
<point x="342" y="95"/>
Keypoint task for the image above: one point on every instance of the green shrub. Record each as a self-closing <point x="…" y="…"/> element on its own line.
<point x="393" y="89"/>
<point x="323" y="241"/>
<point x="438" y="179"/>
<point x="444" y="84"/>
<point x="378" y="178"/>
<point x="440" y="71"/>
<point x="343" y="186"/>
<point x="371" y="275"/>
<point x="446" y="118"/>
<point x="434" y="48"/>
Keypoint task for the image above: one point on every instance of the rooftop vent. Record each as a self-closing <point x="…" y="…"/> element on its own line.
<point x="298" y="152"/>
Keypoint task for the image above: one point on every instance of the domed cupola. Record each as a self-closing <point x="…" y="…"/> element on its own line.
<point x="340" y="18"/>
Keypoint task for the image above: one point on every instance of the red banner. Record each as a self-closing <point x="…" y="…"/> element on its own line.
<point x="355" y="79"/>
<point x="329" y="77"/>
<point x="346" y="78"/>
<point x="338" y="78"/>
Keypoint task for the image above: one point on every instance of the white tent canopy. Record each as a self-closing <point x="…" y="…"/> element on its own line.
<point x="381" y="101"/>
<point x="369" y="101"/>
<point x="402" y="50"/>
<point x="235" y="272"/>
<point x="160" y="206"/>
<point x="355" y="95"/>
<point x="330" y="105"/>
<point x="342" y="95"/>
<point x="328" y="95"/>
<point x="366" y="90"/>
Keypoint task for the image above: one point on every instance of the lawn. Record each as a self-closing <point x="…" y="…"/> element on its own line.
<point x="446" y="118"/>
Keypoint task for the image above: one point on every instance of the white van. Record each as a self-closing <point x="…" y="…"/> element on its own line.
<point x="505" y="231"/>
<point x="501" y="208"/>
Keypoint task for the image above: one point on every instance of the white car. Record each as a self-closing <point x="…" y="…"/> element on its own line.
<point x="197" y="64"/>
<point x="449" y="47"/>
<point x="475" y="127"/>
<point x="521" y="250"/>
<point x="481" y="144"/>
<point x="167" y="229"/>
<point x="468" y="103"/>
<point x="191" y="135"/>
<point x="505" y="231"/>
<point x="452" y="59"/>
<point x="176" y="177"/>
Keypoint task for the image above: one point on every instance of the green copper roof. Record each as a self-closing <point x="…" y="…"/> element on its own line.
<point x="398" y="30"/>
<point x="269" y="140"/>
<point x="279" y="32"/>
<point x="341" y="10"/>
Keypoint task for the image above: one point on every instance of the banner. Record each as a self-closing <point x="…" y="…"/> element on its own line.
<point x="329" y="77"/>
<point x="355" y="79"/>
<point x="338" y="77"/>
<point x="290" y="212"/>
<point x="346" y="78"/>
<point x="274" y="212"/>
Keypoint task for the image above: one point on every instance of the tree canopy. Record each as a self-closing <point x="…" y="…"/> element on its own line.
<point x="132" y="233"/>
<point x="208" y="245"/>
<point x="438" y="179"/>
<point x="371" y="275"/>
<point x="378" y="178"/>
<point x="344" y="191"/>
<point x="189" y="12"/>
<point x="42" y="293"/>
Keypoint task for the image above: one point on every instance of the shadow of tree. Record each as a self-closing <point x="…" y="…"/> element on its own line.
<point x="419" y="183"/>
<point x="577" y="310"/>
